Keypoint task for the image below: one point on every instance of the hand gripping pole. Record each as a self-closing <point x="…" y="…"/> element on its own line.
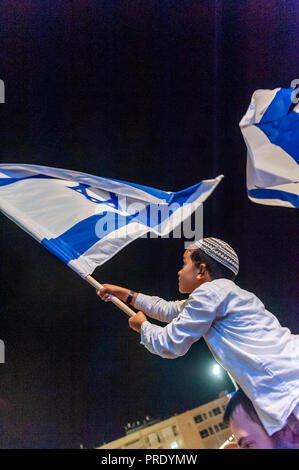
<point x="114" y="299"/>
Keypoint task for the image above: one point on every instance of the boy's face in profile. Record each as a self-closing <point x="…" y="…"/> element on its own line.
<point x="248" y="434"/>
<point x="189" y="277"/>
<point x="251" y="435"/>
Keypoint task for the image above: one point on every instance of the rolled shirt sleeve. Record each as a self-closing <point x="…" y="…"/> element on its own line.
<point x="194" y="320"/>
<point x="158" y="308"/>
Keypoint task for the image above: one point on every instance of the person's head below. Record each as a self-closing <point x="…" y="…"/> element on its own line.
<point x="249" y="431"/>
<point x="205" y="260"/>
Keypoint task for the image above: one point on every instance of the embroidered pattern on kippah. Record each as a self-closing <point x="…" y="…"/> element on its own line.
<point x="219" y="251"/>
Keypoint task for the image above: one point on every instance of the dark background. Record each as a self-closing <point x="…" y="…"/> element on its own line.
<point x="149" y="92"/>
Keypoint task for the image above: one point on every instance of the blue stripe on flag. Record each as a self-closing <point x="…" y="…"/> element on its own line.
<point x="279" y="106"/>
<point x="79" y="238"/>
<point x="274" y="194"/>
<point x="182" y="196"/>
<point x="179" y="197"/>
<point x="6" y="181"/>
<point x="281" y="127"/>
<point x="153" y="191"/>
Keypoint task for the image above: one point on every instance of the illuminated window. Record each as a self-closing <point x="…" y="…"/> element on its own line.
<point x="167" y="433"/>
<point x="154" y="438"/>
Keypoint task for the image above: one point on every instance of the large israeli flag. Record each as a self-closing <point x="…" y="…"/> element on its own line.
<point x="270" y="128"/>
<point x="85" y="219"/>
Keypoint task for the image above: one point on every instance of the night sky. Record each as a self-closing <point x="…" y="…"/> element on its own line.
<point x="150" y="92"/>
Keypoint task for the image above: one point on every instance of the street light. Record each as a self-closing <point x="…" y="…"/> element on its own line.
<point x="217" y="371"/>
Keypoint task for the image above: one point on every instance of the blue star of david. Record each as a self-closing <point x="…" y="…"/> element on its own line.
<point x="81" y="188"/>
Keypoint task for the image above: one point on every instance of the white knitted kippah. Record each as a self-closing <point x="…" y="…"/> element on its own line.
<point x="219" y="251"/>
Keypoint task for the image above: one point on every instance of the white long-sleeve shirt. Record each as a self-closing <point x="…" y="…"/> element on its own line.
<point x="246" y="339"/>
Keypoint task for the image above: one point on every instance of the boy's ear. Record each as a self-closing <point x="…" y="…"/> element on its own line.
<point x="202" y="269"/>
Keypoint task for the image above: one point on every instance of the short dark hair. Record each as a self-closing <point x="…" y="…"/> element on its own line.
<point x="240" y="399"/>
<point x="214" y="268"/>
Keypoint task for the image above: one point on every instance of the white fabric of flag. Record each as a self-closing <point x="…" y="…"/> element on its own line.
<point x="85" y="219"/>
<point x="270" y="129"/>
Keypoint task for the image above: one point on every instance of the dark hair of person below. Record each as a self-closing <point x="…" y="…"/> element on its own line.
<point x="215" y="269"/>
<point x="240" y="399"/>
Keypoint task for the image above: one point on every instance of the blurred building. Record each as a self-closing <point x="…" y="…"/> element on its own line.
<point x="199" y="428"/>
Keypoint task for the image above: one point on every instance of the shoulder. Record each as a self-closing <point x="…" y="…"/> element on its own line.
<point x="218" y="287"/>
<point x="226" y="291"/>
<point x="214" y="296"/>
<point x="211" y="294"/>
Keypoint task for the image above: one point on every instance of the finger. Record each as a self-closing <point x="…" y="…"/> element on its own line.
<point x="102" y="292"/>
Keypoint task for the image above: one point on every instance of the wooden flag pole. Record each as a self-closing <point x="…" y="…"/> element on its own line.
<point x="114" y="299"/>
